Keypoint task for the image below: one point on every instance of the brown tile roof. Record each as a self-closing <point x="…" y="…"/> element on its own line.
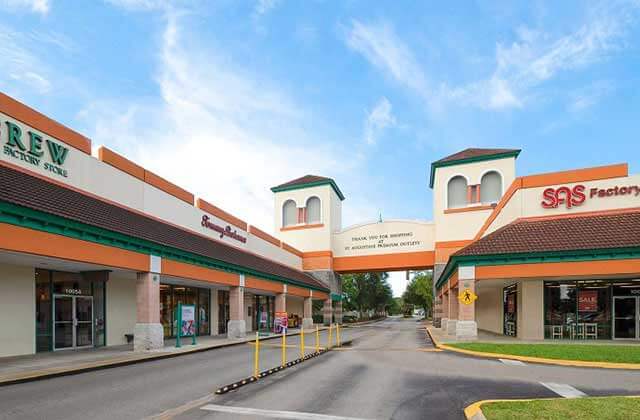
<point x="620" y="229"/>
<point x="475" y="152"/>
<point x="307" y="179"/>
<point x="37" y="194"/>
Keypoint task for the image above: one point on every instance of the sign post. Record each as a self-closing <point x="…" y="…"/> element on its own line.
<point x="186" y="319"/>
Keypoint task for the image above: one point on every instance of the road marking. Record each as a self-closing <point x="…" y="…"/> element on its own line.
<point x="564" y="390"/>
<point x="512" y="362"/>
<point x="272" y="413"/>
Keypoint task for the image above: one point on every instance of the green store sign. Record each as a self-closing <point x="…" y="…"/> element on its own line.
<point x="31" y="149"/>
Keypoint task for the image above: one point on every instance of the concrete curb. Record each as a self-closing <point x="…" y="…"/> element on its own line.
<point x="474" y="411"/>
<point x="54" y="372"/>
<point x="530" y="359"/>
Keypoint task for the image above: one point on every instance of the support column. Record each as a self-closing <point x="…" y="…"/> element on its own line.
<point x="281" y="302"/>
<point x="307" y="313"/>
<point x="467" y="328"/>
<point x="327" y="312"/>
<point x="338" y="311"/>
<point x="148" y="333"/>
<point x="237" y="326"/>
<point x="453" y="312"/>
<point x="531" y="303"/>
<point x="445" y="311"/>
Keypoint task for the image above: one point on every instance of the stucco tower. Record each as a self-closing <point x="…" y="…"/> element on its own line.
<point x="466" y="187"/>
<point x="307" y="211"/>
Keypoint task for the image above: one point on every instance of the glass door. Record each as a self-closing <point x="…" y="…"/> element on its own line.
<point x="83" y="321"/>
<point x="73" y="322"/>
<point x="63" y="325"/>
<point x="625" y="317"/>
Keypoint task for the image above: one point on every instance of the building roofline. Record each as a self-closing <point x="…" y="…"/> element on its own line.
<point x="327" y="181"/>
<point x="473" y="159"/>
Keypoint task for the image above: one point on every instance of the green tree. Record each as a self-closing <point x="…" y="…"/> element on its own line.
<point x="367" y="291"/>
<point x="395" y="307"/>
<point x="419" y="291"/>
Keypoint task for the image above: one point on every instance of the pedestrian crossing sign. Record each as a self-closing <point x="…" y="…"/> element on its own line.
<point x="467" y="297"/>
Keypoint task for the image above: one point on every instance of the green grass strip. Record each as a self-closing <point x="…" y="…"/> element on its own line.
<point x="583" y="352"/>
<point x="581" y="408"/>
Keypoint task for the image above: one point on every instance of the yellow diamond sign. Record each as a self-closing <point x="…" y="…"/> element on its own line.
<point x="467" y="297"/>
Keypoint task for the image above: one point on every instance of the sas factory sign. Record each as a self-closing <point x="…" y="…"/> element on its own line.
<point x="578" y="194"/>
<point x="32" y="148"/>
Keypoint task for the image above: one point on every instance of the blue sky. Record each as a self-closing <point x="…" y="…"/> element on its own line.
<point x="228" y="98"/>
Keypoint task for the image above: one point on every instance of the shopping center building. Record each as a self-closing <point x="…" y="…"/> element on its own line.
<point x="95" y="249"/>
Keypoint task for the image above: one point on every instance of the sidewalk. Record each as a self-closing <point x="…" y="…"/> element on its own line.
<point x="489" y="337"/>
<point x="44" y="365"/>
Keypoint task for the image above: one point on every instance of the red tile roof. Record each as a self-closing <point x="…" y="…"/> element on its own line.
<point x="35" y="193"/>
<point x="475" y="152"/>
<point x="619" y="229"/>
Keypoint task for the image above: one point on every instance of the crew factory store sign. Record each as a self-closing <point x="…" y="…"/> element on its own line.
<point x="32" y="148"/>
<point x="382" y="241"/>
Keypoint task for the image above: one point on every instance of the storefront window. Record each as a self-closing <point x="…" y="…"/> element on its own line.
<point x="171" y="296"/>
<point x="577" y="310"/>
<point x="264" y="306"/>
<point x="204" y="300"/>
<point x="510" y="305"/>
<point x="43" y="310"/>
<point x="166" y="309"/>
<point x="70" y="309"/>
<point x="223" y="311"/>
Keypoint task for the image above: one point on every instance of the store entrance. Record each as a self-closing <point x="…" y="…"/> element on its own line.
<point x="72" y="322"/>
<point x="626" y="317"/>
<point x="510" y="310"/>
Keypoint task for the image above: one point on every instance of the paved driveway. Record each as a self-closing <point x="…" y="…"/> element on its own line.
<point x="390" y="371"/>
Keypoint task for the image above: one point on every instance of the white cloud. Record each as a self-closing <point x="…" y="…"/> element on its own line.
<point x="520" y="67"/>
<point x="380" y="45"/>
<point x="19" y="67"/>
<point x="379" y="119"/>
<point x="218" y="129"/>
<point x="36" y="6"/>
<point x="536" y="57"/>
<point x="588" y="96"/>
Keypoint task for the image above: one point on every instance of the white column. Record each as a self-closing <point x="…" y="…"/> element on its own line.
<point x="466" y="327"/>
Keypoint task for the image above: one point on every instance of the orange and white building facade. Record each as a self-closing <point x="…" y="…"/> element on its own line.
<point x="96" y="250"/>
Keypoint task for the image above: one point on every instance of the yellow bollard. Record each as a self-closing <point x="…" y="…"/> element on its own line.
<point x="256" y="357"/>
<point x="301" y="343"/>
<point x="329" y="337"/>
<point x="284" y="347"/>
<point x="338" y="334"/>
<point x="317" y="339"/>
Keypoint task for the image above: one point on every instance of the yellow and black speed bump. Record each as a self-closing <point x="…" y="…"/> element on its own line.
<point x="237" y="385"/>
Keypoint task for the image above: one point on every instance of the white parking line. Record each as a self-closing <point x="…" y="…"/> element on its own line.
<point x="512" y="362"/>
<point x="272" y="413"/>
<point x="564" y="390"/>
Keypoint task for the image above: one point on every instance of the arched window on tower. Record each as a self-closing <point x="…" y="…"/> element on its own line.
<point x="313" y="210"/>
<point x="491" y="187"/>
<point x="289" y="213"/>
<point x="457" y="192"/>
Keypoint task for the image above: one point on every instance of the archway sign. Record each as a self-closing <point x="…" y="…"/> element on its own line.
<point x="384" y="246"/>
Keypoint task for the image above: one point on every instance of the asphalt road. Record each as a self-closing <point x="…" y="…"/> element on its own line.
<point x="390" y="371"/>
